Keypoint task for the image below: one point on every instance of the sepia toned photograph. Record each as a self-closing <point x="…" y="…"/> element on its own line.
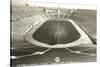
<point x="45" y="33"/>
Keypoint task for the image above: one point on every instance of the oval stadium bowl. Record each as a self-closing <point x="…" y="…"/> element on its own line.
<point x="57" y="33"/>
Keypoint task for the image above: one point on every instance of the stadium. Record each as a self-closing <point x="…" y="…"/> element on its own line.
<point x="52" y="35"/>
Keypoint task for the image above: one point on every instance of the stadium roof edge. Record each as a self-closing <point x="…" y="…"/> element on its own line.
<point x="60" y="5"/>
<point x="56" y="5"/>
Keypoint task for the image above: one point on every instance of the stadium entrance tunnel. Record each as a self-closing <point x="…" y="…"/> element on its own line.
<point x="54" y="32"/>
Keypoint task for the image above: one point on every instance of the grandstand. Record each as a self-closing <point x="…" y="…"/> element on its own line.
<point x="86" y="18"/>
<point x="19" y="12"/>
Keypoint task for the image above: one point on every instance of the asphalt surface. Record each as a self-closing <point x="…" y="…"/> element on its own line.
<point x="49" y="57"/>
